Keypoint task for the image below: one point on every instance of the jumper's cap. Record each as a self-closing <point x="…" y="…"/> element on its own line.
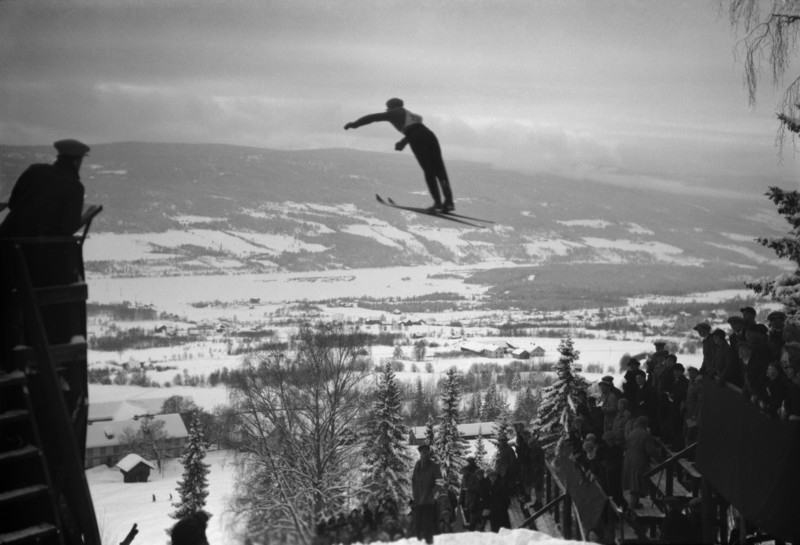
<point x="660" y="345"/>
<point x="702" y="326"/>
<point x="393" y="103"/>
<point x="719" y="332"/>
<point x="678" y="367"/>
<point x="750" y="310"/>
<point x="735" y="320"/>
<point x="71" y="148"/>
<point x="776" y="315"/>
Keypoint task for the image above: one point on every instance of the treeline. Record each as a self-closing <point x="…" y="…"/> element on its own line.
<point x="136" y="338"/>
<point x="562" y="287"/>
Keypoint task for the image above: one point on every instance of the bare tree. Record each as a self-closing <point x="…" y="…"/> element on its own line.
<point x="150" y="440"/>
<point x="771" y="37"/>
<point x="298" y="420"/>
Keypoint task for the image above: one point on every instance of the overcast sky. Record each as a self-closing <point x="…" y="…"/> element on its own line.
<point x="614" y="89"/>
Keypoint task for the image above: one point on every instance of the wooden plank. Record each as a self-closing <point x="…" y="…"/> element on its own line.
<point x="12" y="379"/>
<point x="690" y="469"/>
<point x="62" y="354"/>
<point x="29" y="535"/>
<point x="648" y="510"/>
<point x="22" y="493"/>
<point x="18" y="454"/>
<point x="16" y="415"/>
<point x="58" y="295"/>
<point x="660" y="481"/>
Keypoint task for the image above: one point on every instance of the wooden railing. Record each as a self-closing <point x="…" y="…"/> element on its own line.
<point x="559" y="503"/>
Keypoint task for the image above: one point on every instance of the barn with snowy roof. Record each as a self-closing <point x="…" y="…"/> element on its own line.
<point x="135" y="469"/>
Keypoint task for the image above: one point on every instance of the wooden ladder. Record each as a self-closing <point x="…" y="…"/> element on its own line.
<point x="46" y="407"/>
<point x="27" y="491"/>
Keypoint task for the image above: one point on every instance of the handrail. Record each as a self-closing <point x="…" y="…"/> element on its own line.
<point x="552" y="503"/>
<point x="669" y="461"/>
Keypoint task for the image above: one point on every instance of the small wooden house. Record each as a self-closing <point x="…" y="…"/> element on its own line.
<point x="135" y="469"/>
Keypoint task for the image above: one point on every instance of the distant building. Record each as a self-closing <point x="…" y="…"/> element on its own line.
<point x="135" y="469"/>
<point x="124" y="410"/>
<point x="527" y="351"/>
<point x="486" y="350"/>
<point x="467" y="431"/>
<point x="103" y="439"/>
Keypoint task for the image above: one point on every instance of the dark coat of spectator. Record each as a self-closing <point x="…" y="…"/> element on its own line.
<point x="499" y="503"/>
<point x="775" y="390"/>
<point x="640" y="451"/>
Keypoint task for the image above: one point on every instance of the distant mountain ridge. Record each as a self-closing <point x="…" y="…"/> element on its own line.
<point x="316" y="209"/>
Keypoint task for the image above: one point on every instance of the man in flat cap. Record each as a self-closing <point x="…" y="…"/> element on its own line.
<point x="47" y="200"/>
<point x="776" y="321"/>
<point x="738" y="326"/>
<point x="704" y="330"/>
<point x="749" y="315"/>
<point x="721" y="353"/>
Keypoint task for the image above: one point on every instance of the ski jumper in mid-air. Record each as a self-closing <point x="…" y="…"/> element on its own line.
<point x="423" y="143"/>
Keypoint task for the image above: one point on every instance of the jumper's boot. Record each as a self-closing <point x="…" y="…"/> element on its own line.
<point x="448" y="205"/>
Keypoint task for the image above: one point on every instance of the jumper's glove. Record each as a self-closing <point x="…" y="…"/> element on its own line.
<point x="400" y="145"/>
<point x="349" y="126"/>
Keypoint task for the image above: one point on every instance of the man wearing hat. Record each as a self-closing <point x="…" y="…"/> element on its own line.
<point x="737" y="325"/>
<point x="424" y="479"/>
<point x="704" y="329"/>
<point x="609" y="398"/>
<point x="47" y="200"/>
<point x="676" y="395"/>
<point x="721" y="353"/>
<point x="749" y="315"/>
<point x="776" y="321"/>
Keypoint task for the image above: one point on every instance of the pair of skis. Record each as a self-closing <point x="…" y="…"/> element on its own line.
<point x="451" y="216"/>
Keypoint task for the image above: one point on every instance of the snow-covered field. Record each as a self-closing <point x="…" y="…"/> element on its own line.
<point x="119" y="505"/>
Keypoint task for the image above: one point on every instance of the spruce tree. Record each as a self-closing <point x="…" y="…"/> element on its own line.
<point x="418" y="404"/>
<point x="480" y="450"/>
<point x="556" y="409"/>
<point x="504" y="433"/>
<point x="525" y="411"/>
<point x="490" y="411"/>
<point x="475" y="407"/>
<point x="386" y="460"/>
<point x="785" y="288"/>
<point x="516" y="382"/>
<point x="193" y="487"/>
<point x="430" y="436"/>
<point x="451" y="448"/>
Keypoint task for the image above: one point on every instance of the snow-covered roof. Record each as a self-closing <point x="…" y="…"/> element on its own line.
<point x="469" y="429"/>
<point x="478" y="348"/>
<point x="132" y="460"/>
<point x="125" y="410"/>
<point x="107" y="434"/>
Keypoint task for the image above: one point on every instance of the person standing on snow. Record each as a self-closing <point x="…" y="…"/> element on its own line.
<point x="424" y="145"/>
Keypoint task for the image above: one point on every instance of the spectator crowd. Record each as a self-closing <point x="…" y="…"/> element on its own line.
<point x="615" y="439"/>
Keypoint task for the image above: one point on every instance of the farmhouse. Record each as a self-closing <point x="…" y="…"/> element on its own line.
<point x="103" y="439"/>
<point x="467" y="431"/>
<point x="487" y="350"/>
<point x="124" y="410"/>
<point x="135" y="469"/>
<point x="527" y="351"/>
